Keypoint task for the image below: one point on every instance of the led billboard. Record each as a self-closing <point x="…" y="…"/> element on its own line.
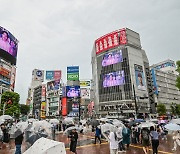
<point x="140" y="80"/>
<point x="85" y="93"/>
<point x="114" y="79"/>
<point x="8" y="45"/>
<point x="73" y="91"/>
<point x="112" y="58"/>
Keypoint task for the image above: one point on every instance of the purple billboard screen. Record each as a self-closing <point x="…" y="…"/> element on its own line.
<point x="73" y="91"/>
<point x="8" y="42"/>
<point x="112" y="58"/>
<point x="114" y="79"/>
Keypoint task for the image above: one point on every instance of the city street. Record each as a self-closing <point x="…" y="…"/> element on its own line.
<point x="86" y="145"/>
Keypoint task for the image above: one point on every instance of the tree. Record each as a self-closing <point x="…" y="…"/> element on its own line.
<point x="161" y="109"/>
<point x="178" y="78"/>
<point x="178" y="109"/>
<point x="24" y="109"/>
<point x="11" y="101"/>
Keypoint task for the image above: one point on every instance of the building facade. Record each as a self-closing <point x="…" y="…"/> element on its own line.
<point x="122" y="81"/>
<point x="164" y="79"/>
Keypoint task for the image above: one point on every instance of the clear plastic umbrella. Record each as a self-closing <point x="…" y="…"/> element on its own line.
<point x="107" y="127"/>
<point x="54" y="121"/>
<point x="68" y="130"/>
<point x="172" y="127"/>
<point x="5" y="117"/>
<point x="146" y="124"/>
<point x="68" y="121"/>
<point x="175" y="121"/>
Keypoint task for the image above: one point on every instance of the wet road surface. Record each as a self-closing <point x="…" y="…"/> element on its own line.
<point x="86" y="145"/>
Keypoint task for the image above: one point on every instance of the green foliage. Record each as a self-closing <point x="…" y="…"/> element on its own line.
<point x="178" y="109"/>
<point x="161" y="109"/>
<point x="24" y="109"/>
<point x="11" y="109"/>
<point x="178" y="78"/>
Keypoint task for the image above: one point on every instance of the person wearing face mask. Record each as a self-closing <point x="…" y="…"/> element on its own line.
<point x="4" y="43"/>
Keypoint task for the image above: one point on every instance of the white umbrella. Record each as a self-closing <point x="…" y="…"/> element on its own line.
<point x="68" y="121"/>
<point x="175" y="121"/>
<point x="146" y="124"/>
<point x="118" y="124"/>
<point x="54" y="121"/>
<point x="2" y="121"/>
<point x="5" y="117"/>
<point x="173" y="127"/>
<point x="31" y="120"/>
<point x="104" y="119"/>
<point x="46" y="146"/>
<point x="68" y="130"/>
<point x="107" y="127"/>
<point x="83" y="121"/>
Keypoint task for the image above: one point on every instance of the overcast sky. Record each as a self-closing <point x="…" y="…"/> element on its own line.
<point x="55" y="34"/>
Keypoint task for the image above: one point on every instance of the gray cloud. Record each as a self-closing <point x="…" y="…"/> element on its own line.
<point x="59" y="33"/>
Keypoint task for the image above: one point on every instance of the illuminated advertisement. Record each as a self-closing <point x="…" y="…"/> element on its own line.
<point x="73" y="91"/>
<point x="114" y="79"/>
<point x="4" y="72"/>
<point x="73" y="73"/>
<point x="53" y="75"/>
<point x="106" y="42"/>
<point x="85" y="93"/>
<point x="43" y="109"/>
<point x="86" y="83"/>
<point x="155" y="86"/>
<point x="13" y="76"/>
<point x="8" y="42"/>
<point x="140" y="81"/>
<point x="112" y="58"/>
<point x="64" y="106"/>
<point x="53" y="85"/>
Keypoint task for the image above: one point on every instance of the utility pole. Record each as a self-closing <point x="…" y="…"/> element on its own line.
<point x="136" y="108"/>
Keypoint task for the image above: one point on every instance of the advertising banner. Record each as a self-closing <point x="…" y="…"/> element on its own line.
<point x="155" y="86"/>
<point x="38" y="75"/>
<point x="53" y="75"/>
<point x="43" y="109"/>
<point x="4" y="72"/>
<point x="140" y="80"/>
<point x="43" y="93"/>
<point x="107" y="42"/>
<point x="73" y="73"/>
<point x="73" y="91"/>
<point x="13" y="77"/>
<point x="85" y="93"/>
<point x="64" y="106"/>
<point x="86" y="83"/>
<point x="49" y="75"/>
<point x="8" y="42"/>
<point x="123" y="39"/>
<point x="53" y="85"/>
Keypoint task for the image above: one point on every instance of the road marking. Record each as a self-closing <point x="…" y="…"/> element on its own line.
<point x="135" y="146"/>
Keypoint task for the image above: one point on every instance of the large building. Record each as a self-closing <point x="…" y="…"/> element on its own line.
<point x="8" y="57"/>
<point x="164" y="79"/>
<point x="122" y="81"/>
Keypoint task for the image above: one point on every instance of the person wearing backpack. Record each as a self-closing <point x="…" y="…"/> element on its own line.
<point x="145" y="136"/>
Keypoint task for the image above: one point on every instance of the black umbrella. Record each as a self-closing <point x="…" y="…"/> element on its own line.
<point x="33" y="138"/>
<point x="95" y="123"/>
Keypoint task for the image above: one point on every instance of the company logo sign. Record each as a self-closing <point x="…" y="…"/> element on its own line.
<point x="73" y="73"/>
<point x="85" y="83"/>
<point x="110" y="40"/>
<point x="53" y="75"/>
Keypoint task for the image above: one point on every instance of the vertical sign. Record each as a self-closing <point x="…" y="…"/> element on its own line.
<point x="13" y="76"/>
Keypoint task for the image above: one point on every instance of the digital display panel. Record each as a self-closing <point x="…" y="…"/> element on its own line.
<point x="112" y="58"/>
<point x="8" y="42"/>
<point x="114" y="79"/>
<point x="73" y="91"/>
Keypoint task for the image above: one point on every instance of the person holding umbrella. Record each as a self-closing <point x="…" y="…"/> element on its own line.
<point x="18" y="141"/>
<point x="74" y="137"/>
<point x="155" y="139"/>
<point x="145" y="139"/>
<point x="176" y="140"/>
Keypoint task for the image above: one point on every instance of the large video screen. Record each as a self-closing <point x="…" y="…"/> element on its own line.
<point x="53" y="85"/>
<point x="112" y="58"/>
<point x="114" y="79"/>
<point x="8" y="42"/>
<point x="73" y="91"/>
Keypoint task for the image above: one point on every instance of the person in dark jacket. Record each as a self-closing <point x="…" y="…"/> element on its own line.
<point x="6" y="136"/>
<point x="98" y="134"/>
<point x="74" y="137"/>
<point x="18" y="141"/>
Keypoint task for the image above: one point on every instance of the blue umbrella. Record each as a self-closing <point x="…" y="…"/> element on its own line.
<point x="173" y="127"/>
